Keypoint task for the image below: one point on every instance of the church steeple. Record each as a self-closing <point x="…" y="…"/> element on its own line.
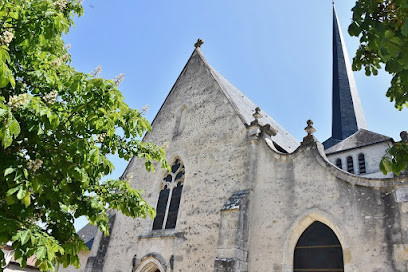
<point x="347" y="113"/>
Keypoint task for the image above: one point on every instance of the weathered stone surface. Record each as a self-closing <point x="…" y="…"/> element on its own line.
<point x="250" y="191"/>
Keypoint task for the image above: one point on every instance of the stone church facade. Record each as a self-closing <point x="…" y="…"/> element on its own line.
<point x="245" y="195"/>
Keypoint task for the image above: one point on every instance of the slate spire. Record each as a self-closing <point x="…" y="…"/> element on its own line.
<point x="347" y="113"/>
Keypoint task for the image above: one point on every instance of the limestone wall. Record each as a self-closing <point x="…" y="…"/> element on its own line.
<point x="292" y="191"/>
<point x="210" y="139"/>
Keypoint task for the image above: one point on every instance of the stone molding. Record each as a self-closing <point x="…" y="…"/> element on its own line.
<point x="318" y="152"/>
<point x="150" y="263"/>
<point x="301" y="224"/>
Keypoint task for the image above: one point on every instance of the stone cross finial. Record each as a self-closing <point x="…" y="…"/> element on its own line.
<point x="198" y="43"/>
<point x="257" y="114"/>
<point x="310" y="129"/>
<point x="404" y="136"/>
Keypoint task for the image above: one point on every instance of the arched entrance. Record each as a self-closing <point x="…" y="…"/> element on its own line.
<point x="318" y="249"/>
<point x="150" y="264"/>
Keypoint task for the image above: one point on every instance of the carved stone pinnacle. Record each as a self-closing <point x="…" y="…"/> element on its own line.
<point x="310" y="129"/>
<point x="198" y="43"/>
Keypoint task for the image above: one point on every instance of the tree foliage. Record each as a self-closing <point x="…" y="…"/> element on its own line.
<point x="382" y="26"/>
<point x="57" y="127"/>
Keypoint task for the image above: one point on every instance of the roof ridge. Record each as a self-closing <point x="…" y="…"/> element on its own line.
<point x="353" y="141"/>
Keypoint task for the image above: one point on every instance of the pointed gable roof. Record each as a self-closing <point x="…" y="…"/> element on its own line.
<point x="87" y="234"/>
<point x="347" y="113"/>
<point x="361" y="138"/>
<point x="242" y="105"/>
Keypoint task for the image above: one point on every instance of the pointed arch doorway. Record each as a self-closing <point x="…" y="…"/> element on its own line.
<point x="318" y="249"/>
<point x="151" y="264"/>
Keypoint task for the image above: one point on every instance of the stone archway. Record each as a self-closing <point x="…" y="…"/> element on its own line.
<point x="303" y="222"/>
<point x="318" y="249"/>
<point x="151" y="263"/>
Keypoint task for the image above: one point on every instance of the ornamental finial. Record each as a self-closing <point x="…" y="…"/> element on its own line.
<point x="257" y="114"/>
<point x="310" y="129"/>
<point x="198" y="43"/>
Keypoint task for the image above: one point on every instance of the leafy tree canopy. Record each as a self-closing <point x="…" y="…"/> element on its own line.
<point x="57" y="126"/>
<point x="382" y="26"/>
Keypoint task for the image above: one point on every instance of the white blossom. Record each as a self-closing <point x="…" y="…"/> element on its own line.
<point x="101" y="137"/>
<point x="145" y="108"/>
<point x="56" y="62"/>
<point x="33" y="166"/>
<point x="96" y="71"/>
<point x="118" y="79"/>
<point x="66" y="57"/>
<point x="61" y="4"/>
<point x="51" y="97"/>
<point x="17" y="101"/>
<point x="6" y="37"/>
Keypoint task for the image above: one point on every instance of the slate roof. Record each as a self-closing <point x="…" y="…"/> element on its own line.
<point x="87" y="234"/>
<point x="347" y="113"/>
<point x="245" y="108"/>
<point x="361" y="138"/>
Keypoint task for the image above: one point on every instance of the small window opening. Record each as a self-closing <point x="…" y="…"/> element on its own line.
<point x="350" y="165"/>
<point x="361" y="163"/>
<point x="339" y="164"/>
<point x="169" y="197"/>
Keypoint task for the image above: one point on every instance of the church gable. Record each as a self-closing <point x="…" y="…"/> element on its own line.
<point x="198" y="76"/>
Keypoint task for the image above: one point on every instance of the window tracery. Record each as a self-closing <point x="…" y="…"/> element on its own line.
<point x="169" y="197"/>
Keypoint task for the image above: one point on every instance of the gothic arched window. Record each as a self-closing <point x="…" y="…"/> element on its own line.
<point x="169" y="197"/>
<point x="318" y="249"/>
<point x="338" y="163"/>
<point x="361" y="163"/>
<point x="350" y="165"/>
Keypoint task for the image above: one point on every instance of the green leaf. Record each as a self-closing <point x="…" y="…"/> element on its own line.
<point x="9" y="170"/>
<point x="386" y="165"/>
<point x="21" y="193"/>
<point x="26" y="200"/>
<point x="13" y="190"/>
<point x="14" y="128"/>
<point x="7" y="138"/>
<point x="25" y="236"/>
<point x="404" y="30"/>
<point x="4" y="75"/>
<point x="25" y="173"/>
<point x="41" y="253"/>
<point x="12" y="80"/>
<point x="354" y="29"/>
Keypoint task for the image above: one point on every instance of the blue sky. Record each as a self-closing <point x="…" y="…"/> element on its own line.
<point x="278" y="53"/>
